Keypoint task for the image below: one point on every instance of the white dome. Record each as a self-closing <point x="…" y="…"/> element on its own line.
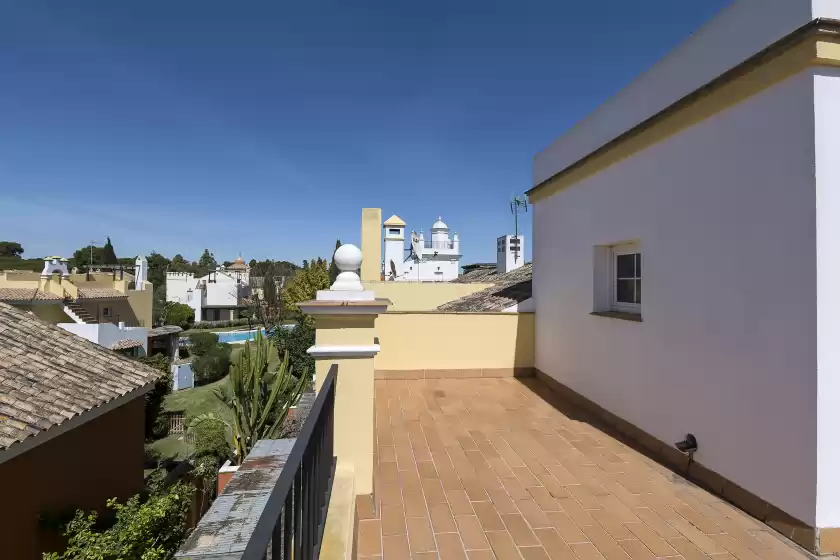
<point x="439" y="224"/>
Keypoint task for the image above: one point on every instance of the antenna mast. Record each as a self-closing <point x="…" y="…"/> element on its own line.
<point x="517" y="203"/>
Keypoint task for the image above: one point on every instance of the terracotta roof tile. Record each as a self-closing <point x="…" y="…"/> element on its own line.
<point x="125" y="344"/>
<point x="48" y="375"/>
<point x="26" y="294"/>
<point x="507" y="289"/>
<point x="100" y="293"/>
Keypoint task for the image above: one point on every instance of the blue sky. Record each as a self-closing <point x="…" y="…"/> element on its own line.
<point x="264" y="127"/>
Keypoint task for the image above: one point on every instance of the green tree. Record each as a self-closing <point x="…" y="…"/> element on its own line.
<point x="82" y="257"/>
<point x="158" y="265"/>
<point x="207" y="261"/>
<point x="157" y="422"/>
<point x="258" y="399"/>
<point x="252" y="263"/>
<point x="10" y="249"/>
<point x="108" y="254"/>
<point x="179" y="264"/>
<point x="333" y="267"/>
<point x="296" y="341"/>
<point x="159" y="304"/>
<point x="150" y="530"/>
<point x="306" y="283"/>
<point x="179" y="314"/>
<point x="211" y="359"/>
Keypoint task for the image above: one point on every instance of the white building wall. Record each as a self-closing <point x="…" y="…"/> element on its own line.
<point x="827" y="112"/>
<point x="724" y="213"/>
<point x="737" y="33"/>
<point x="106" y="334"/>
<point x="177" y="284"/>
<point x="223" y="292"/>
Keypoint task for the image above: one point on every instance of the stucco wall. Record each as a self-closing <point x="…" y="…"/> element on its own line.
<point x="82" y="468"/>
<point x="421" y="296"/>
<point x="724" y="213"/>
<point x="120" y="310"/>
<point x="736" y="33"/>
<point x="412" y="341"/>
<point x="141" y="302"/>
<point x="827" y="112"/>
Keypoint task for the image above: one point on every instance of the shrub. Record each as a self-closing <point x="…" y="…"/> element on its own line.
<point x="211" y="438"/>
<point x="157" y="422"/>
<point x="180" y="314"/>
<point x="150" y="530"/>
<point x="296" y="342"/>
<point x="220" y="324"/>
<point x="202" y="342"/>
<point x="212" y="365"/>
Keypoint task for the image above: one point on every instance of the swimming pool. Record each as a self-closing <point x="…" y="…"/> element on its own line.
<point x="239" y="337"/>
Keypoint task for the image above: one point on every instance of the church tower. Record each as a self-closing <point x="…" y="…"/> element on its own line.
<point x="394" y="247"/>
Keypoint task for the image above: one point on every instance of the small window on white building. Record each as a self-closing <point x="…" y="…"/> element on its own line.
<point x="626" y="278"/>
<point x="393" y="231"/>
<point x="106" y="311"/>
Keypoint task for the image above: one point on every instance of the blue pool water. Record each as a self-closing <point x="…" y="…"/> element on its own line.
<point x="236" y="337"/>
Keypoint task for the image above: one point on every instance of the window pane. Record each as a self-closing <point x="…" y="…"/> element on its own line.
<point x="624" y="291"/>
<point x="638" y="265"/>
<point x="625" y="266"/>
<point x="638" y="291"/>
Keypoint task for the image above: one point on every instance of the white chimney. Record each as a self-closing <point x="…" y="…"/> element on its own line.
<point x="510" y="253"/>
<point x="141" y="272"/>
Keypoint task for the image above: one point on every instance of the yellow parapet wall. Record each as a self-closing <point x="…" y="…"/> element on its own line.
<point x="461" y="344"/>
<point x="421" y="296"/>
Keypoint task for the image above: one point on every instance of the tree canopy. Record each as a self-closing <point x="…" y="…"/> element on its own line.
<point x="108" y="254"/>
<point x="306" y="283"/>
<point x="333" y="268"/>
<point x="10" y="249"/>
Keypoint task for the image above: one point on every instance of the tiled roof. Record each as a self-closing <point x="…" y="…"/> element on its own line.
<point x="26" y="294"/>
<point x="100" y="293"/>
<point x="125" y="344"/>
<point x="48" y="375"/>
<point x="164" y="330"/>
<point x="508" y="289"/>
<point x="478" y="274"/>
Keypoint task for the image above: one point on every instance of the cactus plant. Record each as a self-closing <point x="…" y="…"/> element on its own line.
<point x="259" y="400"/>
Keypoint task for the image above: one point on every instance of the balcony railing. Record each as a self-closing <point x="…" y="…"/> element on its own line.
<point x="438" y="245"/>
<point x="286" y="517"/>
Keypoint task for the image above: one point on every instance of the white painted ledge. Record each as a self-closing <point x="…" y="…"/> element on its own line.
<point x="344" y="351"/>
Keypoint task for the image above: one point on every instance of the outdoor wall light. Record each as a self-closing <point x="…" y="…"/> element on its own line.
<point x="687" y="446"/>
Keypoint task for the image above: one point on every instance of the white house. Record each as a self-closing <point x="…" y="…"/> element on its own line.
<point x="687" y="255"/>
<point x="218" y="296"/>
<point x="429" y="260"/>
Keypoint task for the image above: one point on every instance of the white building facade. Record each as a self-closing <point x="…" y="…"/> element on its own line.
<point x="685" y="274"/>
<point x="436" y="259"/>
<point x="218" y="296"/>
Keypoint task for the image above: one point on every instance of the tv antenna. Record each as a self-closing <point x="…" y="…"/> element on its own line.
<point x="517" y="204"/>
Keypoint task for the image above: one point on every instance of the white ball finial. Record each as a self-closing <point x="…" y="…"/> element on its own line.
<point x="348" y="259"/>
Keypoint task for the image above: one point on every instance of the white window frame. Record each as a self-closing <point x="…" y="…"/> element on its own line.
<point x="615" y="252"/>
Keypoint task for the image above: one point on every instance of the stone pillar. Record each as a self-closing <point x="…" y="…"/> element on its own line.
<point x="345" y="316"/>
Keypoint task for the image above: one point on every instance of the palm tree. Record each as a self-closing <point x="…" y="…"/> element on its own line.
<point x="259" y="400"/>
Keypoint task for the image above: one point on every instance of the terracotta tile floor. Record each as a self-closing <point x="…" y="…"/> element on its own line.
<point x="485" y="468"/>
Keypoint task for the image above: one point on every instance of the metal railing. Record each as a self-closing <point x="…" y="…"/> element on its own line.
<point x="438" y="244"/>
<point x="292" y="522"/>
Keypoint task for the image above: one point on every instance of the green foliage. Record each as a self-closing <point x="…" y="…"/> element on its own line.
<point x="82" y="257"/>
<point x="207" y="262"/>
<point x="158" y="265"/>
<point x="159" y="304"/>
<point x="281" y="268"/>
<point x="10" y="249"/>
<point x="179" y="264"/>
<point x="258" y="399"/>
<point x="220" y="324"/>
<point x="179" y="314"/>
<point x="150" y="530"/>
<point x="333" y="267"/>
<point x="157" y="422"/>
<point x="17" y="263"/>
<point x="202" y="342"/>
<point x="296" y="342"/>
<point x="212" y="358"/>
<point x="211" y="437"/>
<point x="108" y="254"/>
<point x="306" y="283"/>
